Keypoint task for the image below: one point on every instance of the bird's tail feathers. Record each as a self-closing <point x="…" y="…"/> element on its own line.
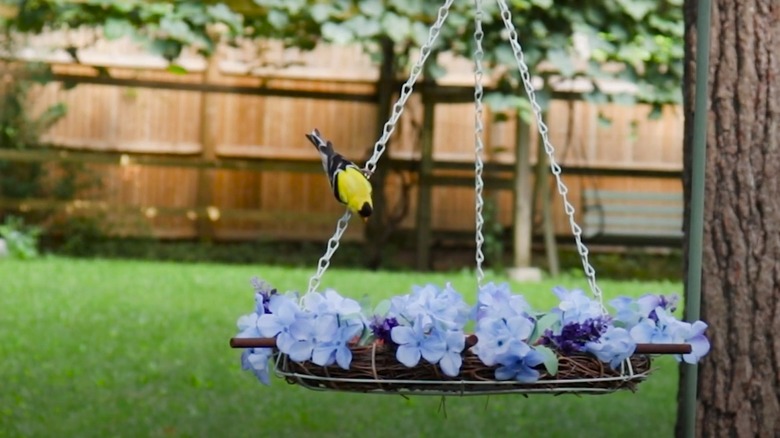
<point x="322" y="145"/>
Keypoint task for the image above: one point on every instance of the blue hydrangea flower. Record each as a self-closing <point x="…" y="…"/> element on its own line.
<point x="330" y="302"/>
<point x="418" y="341"/>
<point x="294" y="329"/>
<point x="613" y="347"/>
<point x="669" y="330"/>
<point x="518" y="363"/>
<point x="629" y="311"/>
<point x="247" y="325"/>
<point x="694" y="334"/>
<point x="496" y="336"/>
<point x="452" y="359"/>
<point x="334" y="347"/>
<point x="497" y="301"/>
<point x="445" y="308"/>
<point x="256" y="360"/>
<point x="575" y="306"/>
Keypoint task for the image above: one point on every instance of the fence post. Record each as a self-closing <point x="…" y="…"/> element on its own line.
<point x="543" y="194"/>
<point x="523" y="201"/>
<point x="207" y="213"/>
<point x="425" y="189"/>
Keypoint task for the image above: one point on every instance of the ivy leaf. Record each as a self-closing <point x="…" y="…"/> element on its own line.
<point x="321" y="12"/>
<point x="562" y="61"/>
<point x="362" y="27"/>
<point x="396" y="27"/>
<point x="278" y="19"/>
<point x="550" y="359"/>
<point x="638" y="9"/>
<point x="372" y="8"/>
<point x="116" y="28"/>
<point x="336" y="33"/>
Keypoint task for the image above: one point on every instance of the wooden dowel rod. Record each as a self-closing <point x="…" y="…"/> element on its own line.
<point x="471" y="340"/>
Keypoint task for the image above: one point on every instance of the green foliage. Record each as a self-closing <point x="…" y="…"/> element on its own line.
<point x="635" y="40"/>
<point x="19" y="129"/>
<point x="21" y="241"/>
<point x="639" y="41"/>
<point x="165" y="28"/>
<point x="493" y="233"/>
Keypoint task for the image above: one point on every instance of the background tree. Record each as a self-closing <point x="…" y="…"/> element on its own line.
<point x="739" y="380"/>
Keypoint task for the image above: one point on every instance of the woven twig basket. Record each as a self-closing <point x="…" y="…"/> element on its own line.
<point x="375" y="369"/>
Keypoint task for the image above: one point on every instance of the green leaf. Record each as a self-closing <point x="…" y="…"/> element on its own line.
<point x="278" y="19"/>
<point x="371" y="8"/>
<point x="116" y="28"/>
<point x="321" y="12"/>
<point x="543" y="323"/>
<point x="176" y="29"/>
<point x="337" y="33"/>
<point x="176" y="69"/>
<point x="362" y="27"/>
<point x="382" y="308"/>
<point x="396" y="27"/>
<point x="562" y="61"/>
<point x="638" y="9"/>
<point x="550" y="359"/>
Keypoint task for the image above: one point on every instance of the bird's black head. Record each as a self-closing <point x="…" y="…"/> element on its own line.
<point x="365" y="211"/>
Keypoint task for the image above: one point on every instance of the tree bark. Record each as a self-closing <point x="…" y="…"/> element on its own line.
<point x="739" y="381"/>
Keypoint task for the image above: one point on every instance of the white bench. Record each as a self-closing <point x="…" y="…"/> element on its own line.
<point x="632" y="215"/>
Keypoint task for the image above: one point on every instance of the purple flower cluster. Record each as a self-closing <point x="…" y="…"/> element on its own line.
<point x="664" y="302"/>
<point x="382" y="326"/>
<point x="263" y="294"/>
<point x="575" y="335"/>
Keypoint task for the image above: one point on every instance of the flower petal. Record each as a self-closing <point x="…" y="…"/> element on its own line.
<point x="526" y="374"/>
<point x="269" y="325"/>
<point x="450" y="364"/>
<point x="433" y="347"/>
<point x="323" y="355"/>
<point x="408" y="355"/>
<point x="403" y="335"/>
<point x="301" y="351"/>
<point x="344" y="357"/>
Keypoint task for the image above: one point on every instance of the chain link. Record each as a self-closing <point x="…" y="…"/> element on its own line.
<point x="333" y="244"/>
<point x="407" y="88"/>
<point x="590" y="272"/>
<point x="478" y="145"/>
<point x="381" y="145"/>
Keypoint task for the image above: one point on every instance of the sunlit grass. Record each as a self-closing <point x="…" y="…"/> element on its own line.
<point x="119" y="348"/>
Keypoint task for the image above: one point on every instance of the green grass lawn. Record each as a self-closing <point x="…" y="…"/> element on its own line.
<point x="137" y="349"/>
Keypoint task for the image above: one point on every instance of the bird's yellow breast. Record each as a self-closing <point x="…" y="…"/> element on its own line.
<point x="353" y="188"/>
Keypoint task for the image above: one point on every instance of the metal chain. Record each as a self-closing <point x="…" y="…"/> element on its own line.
<point x="478" y="145"/>
<point x="333" y="245"/>
<point x="381" y="145"/>
<point x="408" y="86"/>
<point x="590" y="272"/>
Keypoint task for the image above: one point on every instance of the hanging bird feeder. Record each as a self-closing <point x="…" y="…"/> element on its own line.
<point x="417" y="344"/>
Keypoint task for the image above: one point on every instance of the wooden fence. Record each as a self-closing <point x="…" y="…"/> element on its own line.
<point x="219" y="152"/>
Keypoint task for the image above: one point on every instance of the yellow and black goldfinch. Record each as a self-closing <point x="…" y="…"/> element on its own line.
<point x="349" y="183"/>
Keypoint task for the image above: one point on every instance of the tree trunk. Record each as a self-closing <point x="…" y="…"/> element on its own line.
<point x="376" y="228"/>
<point x="739" y="381"/>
